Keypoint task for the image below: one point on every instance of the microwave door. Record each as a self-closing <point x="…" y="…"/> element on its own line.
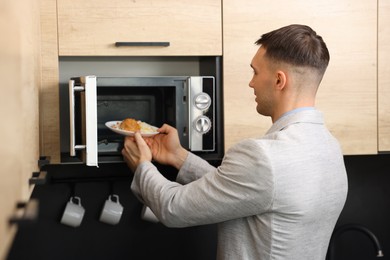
<point x="88" y="116"/>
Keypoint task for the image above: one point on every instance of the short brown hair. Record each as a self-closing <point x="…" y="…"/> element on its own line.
<point x="297" y="45"/>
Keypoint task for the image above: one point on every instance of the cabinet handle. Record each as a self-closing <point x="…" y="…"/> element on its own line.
<point x="28" y="215"/>
<point x="38" y="178"/>
<point x="43" y="160"/>
<point x="142" y="44"/>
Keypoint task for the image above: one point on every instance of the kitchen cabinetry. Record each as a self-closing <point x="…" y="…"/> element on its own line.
<point x="49" y="92"/>
<point x="348" y="93"/>
<point x="384" y="75"/>
<point x="93" y="27"/>
<point x="20" y="76"/>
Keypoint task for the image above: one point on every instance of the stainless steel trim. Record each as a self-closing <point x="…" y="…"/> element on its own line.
<point x="189" y="109"/>
<point x="195" y="137"/>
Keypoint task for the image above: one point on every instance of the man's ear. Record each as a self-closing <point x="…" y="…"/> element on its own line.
<point x="281" y="80"/>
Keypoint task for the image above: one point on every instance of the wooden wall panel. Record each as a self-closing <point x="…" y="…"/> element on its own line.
<point x="348" y="93"/>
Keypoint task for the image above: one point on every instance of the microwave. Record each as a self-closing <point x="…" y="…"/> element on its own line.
<point x="188" y="103"/>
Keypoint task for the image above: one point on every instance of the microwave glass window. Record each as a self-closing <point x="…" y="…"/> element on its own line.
<point x="153" y="105"/>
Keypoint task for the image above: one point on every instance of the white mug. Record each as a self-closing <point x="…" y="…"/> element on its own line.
<point x="73" y="213"/>
<point x="112" y="210"/>
<point x="148" y="215"/>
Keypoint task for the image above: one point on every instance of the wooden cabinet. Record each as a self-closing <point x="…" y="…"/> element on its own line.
<point x="49" y="92"/>
<point x="20" y="79"/>
<point x="384" y="76"/>
<point x="93" y="27"/>
<point x="348" y="93"/>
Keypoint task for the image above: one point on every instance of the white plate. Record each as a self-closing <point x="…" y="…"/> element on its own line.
<point x="114" y="126"/>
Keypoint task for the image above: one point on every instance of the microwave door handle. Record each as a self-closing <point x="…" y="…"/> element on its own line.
<point x="73" y="146"/>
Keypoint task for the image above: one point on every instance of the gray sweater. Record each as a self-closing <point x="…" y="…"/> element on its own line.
<point x="276" y="197"/>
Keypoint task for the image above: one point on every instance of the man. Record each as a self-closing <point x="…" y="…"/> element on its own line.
<point x="275" y="197"/>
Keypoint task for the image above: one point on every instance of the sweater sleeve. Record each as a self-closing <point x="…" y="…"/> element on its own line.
<point x="193" y="168"/>
<point x="242" y="186"/>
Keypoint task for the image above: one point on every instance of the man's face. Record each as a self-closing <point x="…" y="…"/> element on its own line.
<point x="262" y="83"/>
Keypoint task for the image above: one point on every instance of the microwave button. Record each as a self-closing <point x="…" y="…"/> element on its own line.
<point x="202" y="101"/>
<point x="202" y="124"/>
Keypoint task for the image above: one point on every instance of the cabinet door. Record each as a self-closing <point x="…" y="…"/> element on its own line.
<point x="384" y="75"/>
<point x="92" y="27"/>
<point x="347" y="95"/>
<point x="20" y="79"/>
<point x="49" y="91"/>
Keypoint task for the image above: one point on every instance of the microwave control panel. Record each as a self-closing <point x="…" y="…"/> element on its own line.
<point x="201" y="92"/>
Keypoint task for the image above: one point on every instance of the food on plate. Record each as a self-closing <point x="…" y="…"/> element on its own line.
<point x="130" y="124"/>
<point x="146" y="128"/>
<point x="133" y="125"/>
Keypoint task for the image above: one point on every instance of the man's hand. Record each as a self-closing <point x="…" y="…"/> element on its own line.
<point x="166" y="148"/>
<point x="136" y="151"/>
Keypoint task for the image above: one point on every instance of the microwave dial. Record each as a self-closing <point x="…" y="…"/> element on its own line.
<point x="202" y="101"/>
<point x="202" y="124"/>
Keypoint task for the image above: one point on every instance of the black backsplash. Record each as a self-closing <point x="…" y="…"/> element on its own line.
<point x="132" y="238"/>
<point x="368" y="204"/>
